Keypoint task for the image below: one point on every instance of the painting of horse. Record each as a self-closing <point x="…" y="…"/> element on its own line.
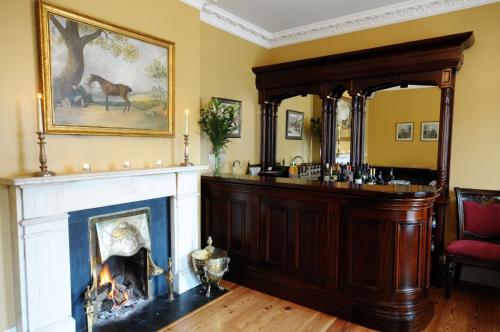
<point x="104" y="79"/>
<point x="112" y="89"/>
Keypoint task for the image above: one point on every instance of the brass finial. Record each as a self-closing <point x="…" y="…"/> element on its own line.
<point x="209" y="248"/>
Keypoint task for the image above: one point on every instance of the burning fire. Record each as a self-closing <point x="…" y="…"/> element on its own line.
<point x="105" y="276"/>
<point x="116" y="294"/>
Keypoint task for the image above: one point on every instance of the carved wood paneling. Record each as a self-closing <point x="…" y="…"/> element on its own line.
<point x="361" y="255"/>
<point x="409" y="248"/>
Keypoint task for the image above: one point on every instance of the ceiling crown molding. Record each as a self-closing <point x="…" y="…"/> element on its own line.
<point x="401" y="12"/>
<point x="235" y="25"/>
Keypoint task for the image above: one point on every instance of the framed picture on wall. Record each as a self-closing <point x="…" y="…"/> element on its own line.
<point x="99" y="78"/>
<point x="237" y="104"/>
<point x="404" y="131"/>
<point x="429" y="131"/>
<point x="294" y="124"/>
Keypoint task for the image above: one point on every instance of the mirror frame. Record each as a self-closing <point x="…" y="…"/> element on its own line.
<point x="433" y="61"/>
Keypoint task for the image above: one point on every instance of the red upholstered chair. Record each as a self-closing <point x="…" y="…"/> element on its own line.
<point x="478" y="231"/>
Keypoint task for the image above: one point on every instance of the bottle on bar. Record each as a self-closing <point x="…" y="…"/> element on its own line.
<point x="371" y="178"/>
<point x="334" y="175"/>
<point x="380" y="179"/>
<point x="390" y="177"/>
<point x="326" y="175"/>
<point x="358" y="179"/>
<point x="364" y="173"/>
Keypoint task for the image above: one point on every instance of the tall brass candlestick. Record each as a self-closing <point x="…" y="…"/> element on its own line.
<point x="170" y="281"/>
<point x="42" y="157"/>
<point x="186" y="151"/>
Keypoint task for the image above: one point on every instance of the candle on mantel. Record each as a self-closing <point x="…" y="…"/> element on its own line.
<point x="39" y="113"/>
<point x="187" y="121"/>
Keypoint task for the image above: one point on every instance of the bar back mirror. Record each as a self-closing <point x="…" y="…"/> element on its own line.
<point x="298" y="130"/>
<point x="401" y="132"/>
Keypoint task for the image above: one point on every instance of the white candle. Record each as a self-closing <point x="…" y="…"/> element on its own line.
<point x="40" y="119"/>
<point x="126" y="164"/>
<point x="86" y="168"/>
<point x="159" y="163"/>
<point x="187" y="120"/>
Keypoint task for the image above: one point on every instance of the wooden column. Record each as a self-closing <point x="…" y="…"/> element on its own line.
<point x="268" y="134"/>
<point x="328" y="131"/>
<point x="445" y="123"/>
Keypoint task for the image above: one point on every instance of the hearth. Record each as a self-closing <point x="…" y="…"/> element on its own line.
<point x="121" y="265"/>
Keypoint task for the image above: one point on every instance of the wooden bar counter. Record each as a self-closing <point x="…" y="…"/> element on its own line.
<point x="358" y="252"/>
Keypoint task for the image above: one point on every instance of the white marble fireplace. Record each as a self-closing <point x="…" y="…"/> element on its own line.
<point x="39" y="224"/>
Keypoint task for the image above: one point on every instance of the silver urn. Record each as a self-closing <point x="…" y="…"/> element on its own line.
<point x="210" y="264"/>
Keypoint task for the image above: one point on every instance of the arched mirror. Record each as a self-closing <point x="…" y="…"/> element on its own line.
<point x="296" y="135"/>
<point x="401" y="132"/>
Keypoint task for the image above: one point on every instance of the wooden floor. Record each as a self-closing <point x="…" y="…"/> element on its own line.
<point x="470" y="308"/>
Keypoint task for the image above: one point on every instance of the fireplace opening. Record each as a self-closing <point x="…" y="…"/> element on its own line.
<point x="121" y="285"/>
<point x="122" y="266"/>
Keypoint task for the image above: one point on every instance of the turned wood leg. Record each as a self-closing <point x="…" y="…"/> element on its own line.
<point x="458" y="271"/>
<point x="447" y="278"/>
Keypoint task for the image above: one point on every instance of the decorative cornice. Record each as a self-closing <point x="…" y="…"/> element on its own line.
<point x="401" y="12"/>
<point x="235" y="25"/>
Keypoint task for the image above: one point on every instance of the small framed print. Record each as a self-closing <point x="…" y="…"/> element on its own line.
<point x="294" y="124"/>
<point x="236" y="133"/>
<point x="429" y="131"/>
<point x="404" y="131"/>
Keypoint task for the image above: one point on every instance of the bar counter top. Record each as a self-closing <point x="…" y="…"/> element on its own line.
<point x="387" y="191"/>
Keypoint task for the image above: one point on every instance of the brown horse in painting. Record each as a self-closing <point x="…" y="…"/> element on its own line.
<point x="112" y="89"/>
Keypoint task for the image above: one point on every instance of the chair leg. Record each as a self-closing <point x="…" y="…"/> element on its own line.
<point x="458" y="271"/>
<point x="447" y="278"/>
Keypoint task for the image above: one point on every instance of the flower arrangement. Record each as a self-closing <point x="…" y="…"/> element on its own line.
<point x="218" y="120"/>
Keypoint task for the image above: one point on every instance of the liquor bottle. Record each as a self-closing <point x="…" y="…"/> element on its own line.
<point x="371" y="178"/>
<point x="390" y="177"/>
<point x="326" y="176"/>
<point x="334" y="176"/>
<point x="364" y="173"/>
<point x="350" y="175"/>
<point x="380" y="179"/>
<point x="358" y="179"/>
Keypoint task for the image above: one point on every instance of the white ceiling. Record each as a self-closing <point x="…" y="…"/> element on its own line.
<point x="278" y="15"/>
<point x="274" y="23"/>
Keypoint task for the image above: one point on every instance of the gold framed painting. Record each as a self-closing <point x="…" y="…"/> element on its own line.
<point x="99" y="78"/>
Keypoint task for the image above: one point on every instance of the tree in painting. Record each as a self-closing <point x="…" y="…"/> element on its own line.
<point x="75" y="37"/>
<point x="158" y="73"/>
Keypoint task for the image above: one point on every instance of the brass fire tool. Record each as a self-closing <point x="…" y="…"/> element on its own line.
<point x="42" y="157"/>
<point x="170" y="281"/>
<point x="89" y="309"/>
<point x="186" y="151"/>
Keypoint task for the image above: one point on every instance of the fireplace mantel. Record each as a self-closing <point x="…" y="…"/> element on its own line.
<point x="39" y="210"/>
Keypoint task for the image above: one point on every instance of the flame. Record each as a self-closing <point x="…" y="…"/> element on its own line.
<point x="105" y="276"/>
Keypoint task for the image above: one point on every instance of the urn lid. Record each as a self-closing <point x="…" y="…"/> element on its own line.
<point x="209" y="252"/>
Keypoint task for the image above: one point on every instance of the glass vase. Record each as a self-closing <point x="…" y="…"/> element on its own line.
<point x="216" y="161"/>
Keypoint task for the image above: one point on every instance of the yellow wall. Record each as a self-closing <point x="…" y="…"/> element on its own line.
<point x="395" y="106"/>
<point x="226" y="63"/>
<point x="289" y="148"/>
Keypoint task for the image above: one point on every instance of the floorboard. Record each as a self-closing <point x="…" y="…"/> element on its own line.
<point x="470" y="308"/>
